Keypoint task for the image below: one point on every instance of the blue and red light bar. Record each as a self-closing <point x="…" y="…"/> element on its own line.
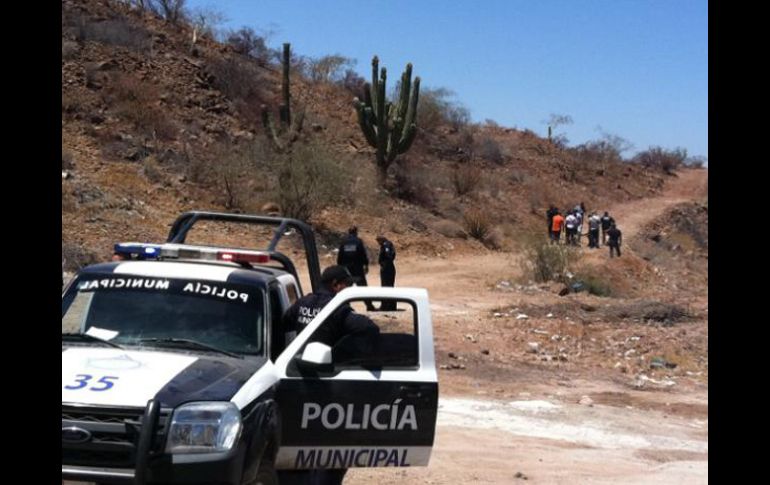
<point x="137" y="250"/>
<point x="144" y="251"/>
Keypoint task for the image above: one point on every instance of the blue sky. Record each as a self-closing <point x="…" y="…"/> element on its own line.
<point x="632" y="68"/>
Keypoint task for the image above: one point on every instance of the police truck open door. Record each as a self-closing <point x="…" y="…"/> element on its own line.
<point x="377" y="410"/>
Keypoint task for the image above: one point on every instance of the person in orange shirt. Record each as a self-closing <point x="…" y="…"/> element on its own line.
<point x="558" y="223"/>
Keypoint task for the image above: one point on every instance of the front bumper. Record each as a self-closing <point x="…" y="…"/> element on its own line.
<point x="130" y="451"/>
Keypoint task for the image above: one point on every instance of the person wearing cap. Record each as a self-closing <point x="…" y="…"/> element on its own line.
<point x="352" y="255"/>
<point x="387" y="268"/>
<point x="343" y="322"/>
<point x="360" y="336"/>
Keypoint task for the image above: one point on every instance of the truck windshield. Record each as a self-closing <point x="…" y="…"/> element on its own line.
<point x="133" y="310"/>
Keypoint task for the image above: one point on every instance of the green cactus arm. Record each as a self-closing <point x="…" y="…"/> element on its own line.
<point x="286" y="108"/>
<point x="375" y="88"/>
<point x="406" y="85"/>
<point x="382" y="118"/>
<point x="407" y="139"/>
<point x="414" y="97"/>
<point x="267" y="122"/>
<point x="364" y="121"/>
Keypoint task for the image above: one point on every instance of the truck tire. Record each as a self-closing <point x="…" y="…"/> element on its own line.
<point x="266" y="474"/>
<point x="267" y="477"/>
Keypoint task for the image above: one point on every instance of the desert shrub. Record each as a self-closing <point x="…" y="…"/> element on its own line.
<point x="136" y="101"/>
<point x="494" y="239"/>
<point x="544" y="261"/>
<point x="240" y="173"/>
<point x="477" y="223"/>
<point x="414" y="184"/>
<point x="116" y="31"/>
<point x="593" y="283"/>
<point x="661" y="159"/>
<point x="696" y="162"/>
<point x="649" y="311"/>
<point x="239" y="80"/>
<point x="308" y="181"/>
<point x="152" y="170"/>
<point x="465" y="179"/>
<point x="173" y="11"/>
<point x="490" y="150"/>
<point x="353" y="82"/>
<point x="329" y="69"/>
<point x="449" y="228"/>
<point x="235" y="77"/>
<point x="247" y="42"/>
<point x="437" y="108"/>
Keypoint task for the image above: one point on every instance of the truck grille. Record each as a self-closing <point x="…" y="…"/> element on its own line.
<point x="114" y="436"/>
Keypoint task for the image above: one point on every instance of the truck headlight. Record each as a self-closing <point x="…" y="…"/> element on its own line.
<point x="204" y="427"/>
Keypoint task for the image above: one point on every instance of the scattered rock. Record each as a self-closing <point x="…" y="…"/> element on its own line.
<point x="485" y="351"/>
<point x="521" y="316"/>
<point x="452" y="355"/>
<point x="586" y="401"/>
<point x="587" y="307"/>
<point x="642" y="381"/>
<point x="661" y="363"/>
<point x="533" y="347"/>
<point x="521" y="476"/>
<point x="550" y="315"/>
<point x="65" y="175"/>
<point x="471" y="338"/>
<point x="559" y="288"/>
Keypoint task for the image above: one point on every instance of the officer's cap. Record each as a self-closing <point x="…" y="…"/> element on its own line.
<point x="336" y="273"/>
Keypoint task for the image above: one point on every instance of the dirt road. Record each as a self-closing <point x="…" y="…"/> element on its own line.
<point x="504" y="422"/>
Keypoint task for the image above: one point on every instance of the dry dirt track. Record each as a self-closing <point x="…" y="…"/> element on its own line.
<point x="536" y="432"/>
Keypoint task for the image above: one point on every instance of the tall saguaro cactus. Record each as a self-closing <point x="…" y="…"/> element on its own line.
<point x="291" y="130"/>
<point x="389" y="128"/>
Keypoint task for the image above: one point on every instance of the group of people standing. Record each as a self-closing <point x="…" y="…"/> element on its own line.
<point x="572" y="225"/>
<point x="352" y="255"/>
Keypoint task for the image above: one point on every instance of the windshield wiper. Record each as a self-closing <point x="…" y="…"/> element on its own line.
<point x="88" y="338"/>
<point x="186" y="343"/>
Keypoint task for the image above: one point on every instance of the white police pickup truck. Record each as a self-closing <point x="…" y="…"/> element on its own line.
<point x="176" y="368"/>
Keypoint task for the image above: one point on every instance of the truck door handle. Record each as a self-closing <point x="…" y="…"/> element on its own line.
<point x="414" y="392"/>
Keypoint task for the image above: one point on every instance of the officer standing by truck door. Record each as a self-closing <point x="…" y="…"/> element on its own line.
<point x="352" y="255"/>
<point x="387" y="268"/>
<point x="357" y="335"/>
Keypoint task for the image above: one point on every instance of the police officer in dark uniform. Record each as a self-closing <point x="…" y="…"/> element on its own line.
<point x="352" y="255"/>
<point x="344" y="322"/>
<point x="387" y="268"/>
<point x="349" y="334"/>
<point x="607" y="222"/>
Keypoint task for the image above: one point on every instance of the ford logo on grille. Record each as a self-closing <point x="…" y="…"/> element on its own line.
<point x="75" y="435"/>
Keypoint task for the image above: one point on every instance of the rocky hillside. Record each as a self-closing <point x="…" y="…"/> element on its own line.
<point x="154" y="125"/>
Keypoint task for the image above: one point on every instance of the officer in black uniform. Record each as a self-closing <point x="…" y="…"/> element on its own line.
<point x="387" y="268"/>
<point x="352" y="255"/>
<point x="348" y="333"/>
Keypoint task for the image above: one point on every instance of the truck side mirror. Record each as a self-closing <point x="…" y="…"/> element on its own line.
<point x="316" y="356"/>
